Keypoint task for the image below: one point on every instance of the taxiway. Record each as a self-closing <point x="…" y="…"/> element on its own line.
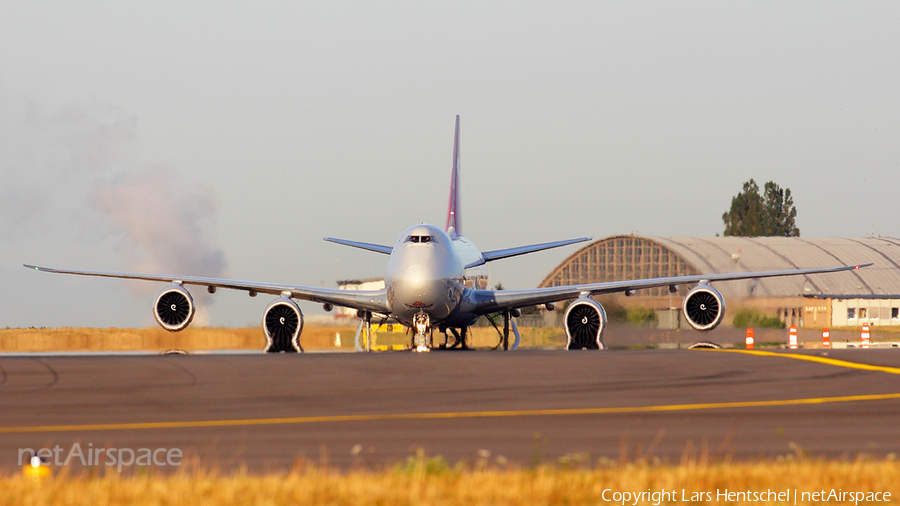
<point x="346" y="409"/>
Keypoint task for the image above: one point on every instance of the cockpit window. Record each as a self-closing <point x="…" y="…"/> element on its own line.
<point x="421" y="238"/>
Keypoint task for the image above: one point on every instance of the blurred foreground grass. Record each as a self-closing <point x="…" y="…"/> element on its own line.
<point x="220" y="338"/>
<point x="423" y="481"/>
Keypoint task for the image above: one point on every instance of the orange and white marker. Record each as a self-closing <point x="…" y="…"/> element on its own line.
<point x="792" y="337"/>
<point x="748" y="341"/>
<point x="864" y="336"/>
<point x="826" y="338"/>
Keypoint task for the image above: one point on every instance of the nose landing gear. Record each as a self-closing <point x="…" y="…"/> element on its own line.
<point x="421" y="324"/>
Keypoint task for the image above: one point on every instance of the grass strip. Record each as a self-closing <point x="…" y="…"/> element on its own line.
<point x="423" y="481"/>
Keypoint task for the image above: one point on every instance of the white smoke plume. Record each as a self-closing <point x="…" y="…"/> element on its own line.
<point x="70" y="181"/>
<point x="164" y="226"/>
<point x="164" y="223"/>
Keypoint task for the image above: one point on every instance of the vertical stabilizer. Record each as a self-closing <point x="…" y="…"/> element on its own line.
<point x="453" y="217"/>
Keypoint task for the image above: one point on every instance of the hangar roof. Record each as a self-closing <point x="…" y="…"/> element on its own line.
<point x="744" y="254"/>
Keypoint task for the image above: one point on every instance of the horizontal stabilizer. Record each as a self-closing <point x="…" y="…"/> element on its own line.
<point x="489" y="256"/>
<point x="362" y="245"/>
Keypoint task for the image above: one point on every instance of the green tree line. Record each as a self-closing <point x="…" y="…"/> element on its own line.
<point x="771" y="213"/>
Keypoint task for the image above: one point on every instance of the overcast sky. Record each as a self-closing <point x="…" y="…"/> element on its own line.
<point x="227" y="139"/>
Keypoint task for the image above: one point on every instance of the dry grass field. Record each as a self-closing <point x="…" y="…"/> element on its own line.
<point x="218" y="338"/>
<point x="422" y="481"/>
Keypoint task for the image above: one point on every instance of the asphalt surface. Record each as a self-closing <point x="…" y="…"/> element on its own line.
<point x="377" y="409"/>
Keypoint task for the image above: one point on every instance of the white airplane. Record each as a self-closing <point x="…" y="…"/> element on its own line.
<point x="437" y="279"/>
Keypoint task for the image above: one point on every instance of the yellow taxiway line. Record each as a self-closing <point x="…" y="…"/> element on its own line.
<point x="821" y="360"/>
<point x="446" y="415"/>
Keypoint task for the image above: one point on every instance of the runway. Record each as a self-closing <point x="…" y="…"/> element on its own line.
<point x="351" y="409"/>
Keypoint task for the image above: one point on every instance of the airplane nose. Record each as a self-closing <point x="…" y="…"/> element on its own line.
<point x="417" y="277"/>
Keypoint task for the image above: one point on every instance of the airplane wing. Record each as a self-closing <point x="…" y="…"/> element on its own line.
<point x="362" y="245"/>
<point x="489" y="256"/>
<point x="488" y="301"/>
<point x="369" y="300"/>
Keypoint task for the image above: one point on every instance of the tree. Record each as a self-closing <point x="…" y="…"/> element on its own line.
<point x="745" y="216"/>
<point x="754" y="215"/>
<point x="780" y="212"/>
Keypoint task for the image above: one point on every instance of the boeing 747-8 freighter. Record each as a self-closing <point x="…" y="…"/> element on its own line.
<point x="436" y="279"/>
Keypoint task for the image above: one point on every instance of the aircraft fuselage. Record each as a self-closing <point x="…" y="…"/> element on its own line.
<point x="426" y="274"/>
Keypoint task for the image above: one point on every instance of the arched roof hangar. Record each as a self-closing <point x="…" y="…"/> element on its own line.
<point x="623" y="257"/>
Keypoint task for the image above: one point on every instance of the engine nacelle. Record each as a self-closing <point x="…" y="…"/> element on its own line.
<point x="703" y="307"/>
<point x="174" y="308"/>
<point x="585" y="321"/>
<point x="282" y="323"/>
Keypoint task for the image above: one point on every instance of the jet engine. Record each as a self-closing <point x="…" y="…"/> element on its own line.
<point x="585" y="321"/>
<point x="703" y="307"/>
<point x="282" y="322"/>
<point x="174" y="308"/>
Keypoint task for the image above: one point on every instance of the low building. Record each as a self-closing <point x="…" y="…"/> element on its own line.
<point x="836" y="310"/>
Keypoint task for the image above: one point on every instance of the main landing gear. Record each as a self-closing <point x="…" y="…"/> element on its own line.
<point x="508" y="321"/>
<point x="460" y="341"/>
<point x="365" y="323"/>
<point x="457" y="338"/>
